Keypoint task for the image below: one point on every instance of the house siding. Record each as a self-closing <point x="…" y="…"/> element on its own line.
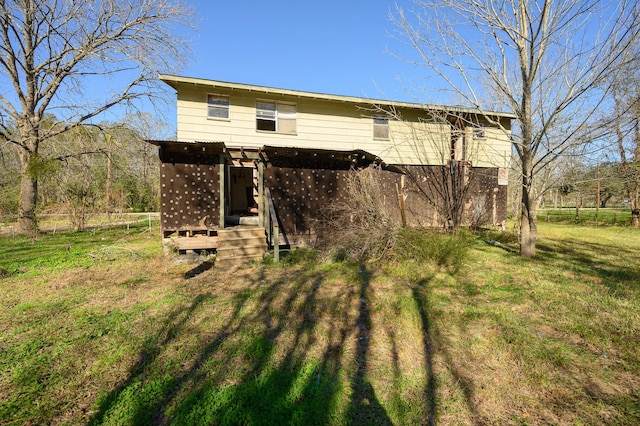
<point x="333" y="125"/>
<point x="304" y="196"/>
<point x="305" y="183"/>
<point x="190" y="189"/>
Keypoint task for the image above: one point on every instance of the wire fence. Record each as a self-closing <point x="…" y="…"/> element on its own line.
<point x="54" y="222"/>
<point x="587" y="216"/>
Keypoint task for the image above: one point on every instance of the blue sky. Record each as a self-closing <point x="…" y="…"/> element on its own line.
<point x="334" y="46"/>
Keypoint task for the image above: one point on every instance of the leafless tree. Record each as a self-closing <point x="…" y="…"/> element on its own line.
<point x="625" y="121"/>
<point x="444" y="146"/>
<point x="544" y="60"/>
<point x="54" y="54"/>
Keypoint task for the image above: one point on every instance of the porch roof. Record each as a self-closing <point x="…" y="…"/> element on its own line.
<point x="321" y="158"/>
<point x="209" y="144"/>
<point x="282" y="156"/>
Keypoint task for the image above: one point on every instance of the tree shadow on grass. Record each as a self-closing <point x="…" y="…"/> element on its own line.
<point x="284" y="352"/>
<point x="419" y="296"/>
<point x="278" y="357"/>
<point x="434" y="340"/>
<point x="152" y="348"/>
<point x="365" y="409"/>
<point x="618" y="273"/>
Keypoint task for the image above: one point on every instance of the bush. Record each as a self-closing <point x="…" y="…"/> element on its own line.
<point x="422" y="245"/>
<point x="362" y="226"/>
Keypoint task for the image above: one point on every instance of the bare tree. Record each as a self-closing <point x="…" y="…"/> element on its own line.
<point x="544" y="60"/>
<point x="626" y="126"/>
<point x="444" y="149"/>
<point x="52" y="51"/>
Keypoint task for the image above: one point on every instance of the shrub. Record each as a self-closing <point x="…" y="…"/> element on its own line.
<point x="362" y="226"/>
<point x="422" y="245"/>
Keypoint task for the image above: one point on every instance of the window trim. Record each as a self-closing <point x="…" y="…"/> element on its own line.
<point x="220" y="107"/>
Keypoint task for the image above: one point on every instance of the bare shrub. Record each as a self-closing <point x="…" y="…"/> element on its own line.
<point x="479" y="213"/>
<point x="363" y="225"/>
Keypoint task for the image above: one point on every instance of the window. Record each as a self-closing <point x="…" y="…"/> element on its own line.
<point x="380" y="128"/>
<point x="286" y="118"/>
<point x="479" y="133"/>
<point x="218" y="106"/>
<point x="276" y="117"/>
<point x="266" y="116"/>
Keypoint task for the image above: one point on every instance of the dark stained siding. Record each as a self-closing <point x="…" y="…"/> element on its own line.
<point x="300" y="195"/>
<point x="190" y="193"/>
<point x="190" y="188"/>
<point x="487" y="196"/>
<point x="486" y="203"/>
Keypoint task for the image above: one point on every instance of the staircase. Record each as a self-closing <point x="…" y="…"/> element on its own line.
<point x="240" y="244"/>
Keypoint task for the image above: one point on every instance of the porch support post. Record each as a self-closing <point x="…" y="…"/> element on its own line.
<point x="221" y="174"/>
<point x="261" y="197"/>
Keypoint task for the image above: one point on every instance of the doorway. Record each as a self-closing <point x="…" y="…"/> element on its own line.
<point x="242" y="190"/>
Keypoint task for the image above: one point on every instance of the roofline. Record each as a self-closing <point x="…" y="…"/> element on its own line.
<point x="174" y="81"/>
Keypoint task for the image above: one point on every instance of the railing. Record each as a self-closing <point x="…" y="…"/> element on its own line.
<point x="272" y="226"/>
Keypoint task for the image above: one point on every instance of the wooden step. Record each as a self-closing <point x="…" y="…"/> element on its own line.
<point x="197" y="243"/>
<point x="240" y="245"/>
<point x="241" y="232"/>
<point x="245" y="250"/>
<point x="240" y="242"/>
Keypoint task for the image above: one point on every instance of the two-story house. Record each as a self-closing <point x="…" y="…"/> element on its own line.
<point x="270" y="157"/>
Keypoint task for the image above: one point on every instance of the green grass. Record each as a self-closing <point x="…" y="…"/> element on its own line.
<point x="20" y="254"/>
<point x="112" y="332"/>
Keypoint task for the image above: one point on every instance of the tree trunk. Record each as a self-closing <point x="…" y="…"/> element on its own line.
<point x="635" y="201"/>
<point x="529" y="220"/>
<point x="27" y="221"/>
<point x="107" y="189"/>
<point x="528" y="224"/>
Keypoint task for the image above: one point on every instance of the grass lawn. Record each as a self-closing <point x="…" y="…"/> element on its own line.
<point x="101" y="328"/>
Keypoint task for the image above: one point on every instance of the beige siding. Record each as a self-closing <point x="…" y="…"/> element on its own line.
<point x="325" y="124"/>
<point x="418" y="143"/>
<point x="493" y="151"/>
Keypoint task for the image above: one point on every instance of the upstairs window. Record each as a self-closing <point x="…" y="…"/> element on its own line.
<point x="479" y="133"/>
<point x="218" y="106"/>
<point x="380" y="128"/>
<point x="276" y="117"/>
<point x="266" y="116"/>
<point x="286" y="118"/>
